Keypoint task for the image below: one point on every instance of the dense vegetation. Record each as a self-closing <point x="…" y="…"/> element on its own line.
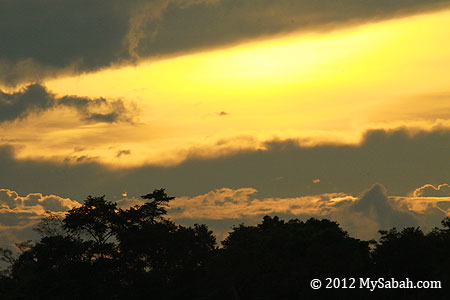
<point x="99" y="251"/>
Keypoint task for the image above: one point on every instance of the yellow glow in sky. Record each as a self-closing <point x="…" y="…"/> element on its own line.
<point x="330" y="86"/>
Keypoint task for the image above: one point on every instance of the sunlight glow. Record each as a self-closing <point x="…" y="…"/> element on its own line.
<point x="329" y="86"/>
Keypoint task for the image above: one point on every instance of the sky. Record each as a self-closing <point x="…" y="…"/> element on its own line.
<point x="239" y="109"/>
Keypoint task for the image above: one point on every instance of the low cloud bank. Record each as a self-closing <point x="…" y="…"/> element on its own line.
<point x="18" y="214"/>
<point x="361" y="216"/>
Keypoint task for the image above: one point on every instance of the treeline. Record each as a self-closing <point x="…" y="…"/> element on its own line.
<point x="99" y="251"/>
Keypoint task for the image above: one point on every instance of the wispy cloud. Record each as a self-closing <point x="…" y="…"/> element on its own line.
<point x="123" y="152"/>
<point x="429" y="190"/>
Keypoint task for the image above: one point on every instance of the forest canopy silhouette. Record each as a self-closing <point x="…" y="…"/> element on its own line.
<point x="100" y="251"/>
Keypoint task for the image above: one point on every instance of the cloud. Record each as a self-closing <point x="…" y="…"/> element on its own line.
<point x="47" y="38"/>
<point x="398" y="159"/>
<point x="123" y="152"/>
<point x="374" y="211"/>
<point x="362" y="216"/>
<point x="428" y="190"/>
<point x="44" y="37"/>
<point x="35" y="98"/>
<point x="35" y="203"/>
<point x="375" y="203"/>
<point x="227" y="203"/>
<point x="18" y="214"/>
<point x="127" y="202"/>
<point x="428" y="201"/>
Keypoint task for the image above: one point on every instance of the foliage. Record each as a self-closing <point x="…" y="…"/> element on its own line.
<point x="100" y="251"/>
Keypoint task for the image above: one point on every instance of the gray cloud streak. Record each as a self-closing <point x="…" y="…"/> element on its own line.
<point x="35" y="98"/>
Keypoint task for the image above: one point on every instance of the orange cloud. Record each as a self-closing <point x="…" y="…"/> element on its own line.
<point x="429" y="190"/>
<point x="34" y="202"/>
<point x="227" y="203"/>
<point x="361" y="216"/>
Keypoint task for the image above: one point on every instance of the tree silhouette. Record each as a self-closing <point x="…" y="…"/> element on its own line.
<point x="96" y="219"/>
<point x="277" y="259"/>
<point x="99" y="251"/>
<point x="410" y="253"/>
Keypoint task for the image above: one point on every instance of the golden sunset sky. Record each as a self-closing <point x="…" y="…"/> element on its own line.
<point x="285" y="107"/>
<point x="316" y="87"/>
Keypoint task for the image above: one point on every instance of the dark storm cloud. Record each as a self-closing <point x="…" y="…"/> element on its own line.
<point x="41" y="37"/>
<point x="398" y="160"/>
<point x="230" y="21"/>
<point x="44" y="38"/>
<point x="35" y="98"/>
